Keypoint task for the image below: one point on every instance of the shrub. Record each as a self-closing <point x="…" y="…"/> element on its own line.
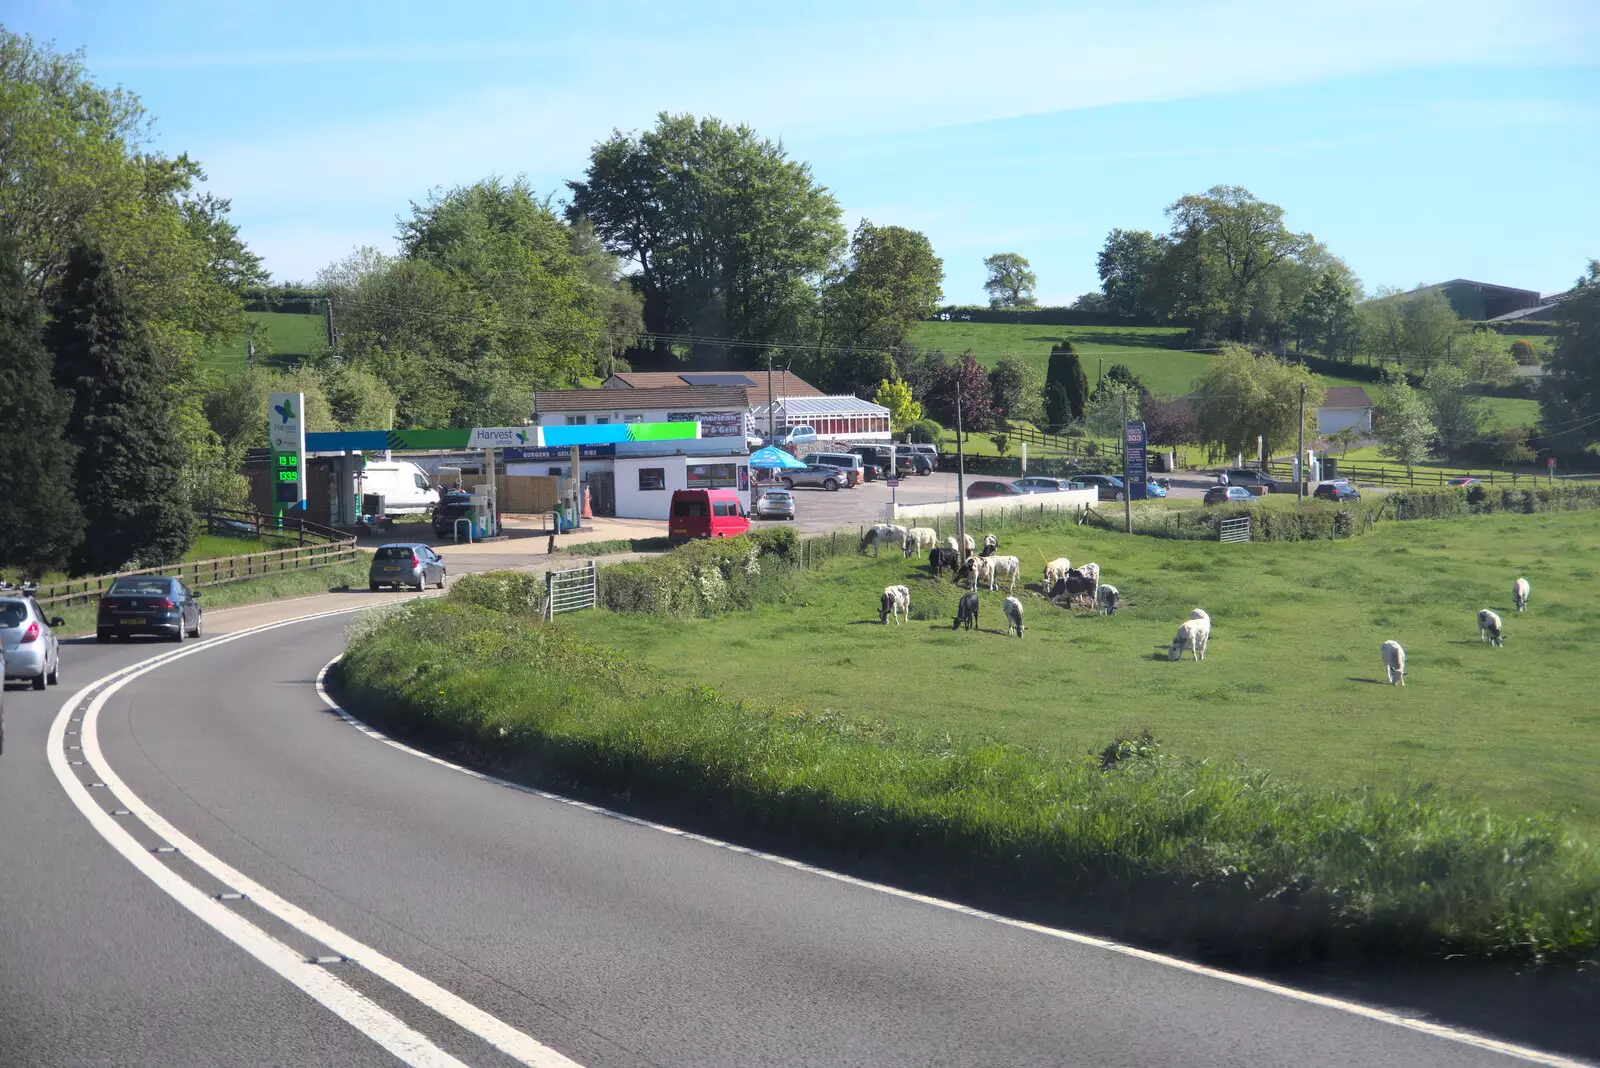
<point x="516" y="593"/>
<point x="704" y="577"/>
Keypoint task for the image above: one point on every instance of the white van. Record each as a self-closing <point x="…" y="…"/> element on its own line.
<point x="405" y="488"/>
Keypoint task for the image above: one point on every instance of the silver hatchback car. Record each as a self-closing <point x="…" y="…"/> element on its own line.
<point x="29" y="639"/>
<point x="410" y="564"/>
<point x="775" y="504"/>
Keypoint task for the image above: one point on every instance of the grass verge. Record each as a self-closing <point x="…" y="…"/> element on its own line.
<point x="617" y="545"/>
<point x="1175" y="852"/>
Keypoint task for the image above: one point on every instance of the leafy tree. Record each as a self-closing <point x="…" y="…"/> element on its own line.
<point x="1091" y="303"/>
<point x="1429" y="328"/>
<point x="1002" y="442"/>
<point x="1524" y="353"/>
<point x="1382" y="322"/>
<point x="623" y="307"/>
<point x="1011" y="282"/>
<point x="1233" y="241"/>
<point x="1242" y="396"/>
<point x="1066" y="387"/>
<point x="1121" y="378"/>
<point x="1018" y="393"/>
<point x="1103" y="415"/>
<point x="1170" y="422"/>
<point x="891" y="281"/>
<point x="1326" y="318"/>
<point x="236" y="404"/>
<point x="1343" y="438"/>
<point x="1482" y="356"/>
<point x="130" y="457"/>
<point x="967" y="377"/>
<point x="925" y="430"/>
<point x="730" y="236"/>
<point x="1571" y="398"/>
<point x="1510" y="446"/>
<point x="1402" y="425"/>
<point x="895" y="395"/>
<point x="1457" y="414"/>
<point x="1127" y="262"/>
<point x="40" y="522"/>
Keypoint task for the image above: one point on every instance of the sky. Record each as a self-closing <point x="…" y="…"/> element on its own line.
<point x="1420" y="140"/>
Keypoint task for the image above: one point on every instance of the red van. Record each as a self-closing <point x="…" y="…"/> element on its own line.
<point x="706" y="513"/>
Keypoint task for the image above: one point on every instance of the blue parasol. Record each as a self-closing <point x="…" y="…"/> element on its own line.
<point x="774" y="457"/>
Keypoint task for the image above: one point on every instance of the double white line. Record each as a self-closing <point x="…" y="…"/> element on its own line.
<point x="316" y="980"/>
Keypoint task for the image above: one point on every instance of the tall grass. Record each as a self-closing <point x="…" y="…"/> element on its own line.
<point x="1174" y="851"/>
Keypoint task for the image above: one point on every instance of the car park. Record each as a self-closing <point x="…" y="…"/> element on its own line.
<point x="989" y="488"/>
<point x="1253" y="480"/>
<point x="28" y="646"/>
<point x="406" y="563"/>
<point x="1337" y="491"/>
<point x="774" y="504"/>
<point x="1229" y="495"/>
<point x="148" y="604"/>
<point x="825" y="476"/>
<point x="1110" y="487"/>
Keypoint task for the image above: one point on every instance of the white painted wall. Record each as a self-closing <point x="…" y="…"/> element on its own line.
<point x="1074" y="500"/>
<point x="1333" y="420"/>
<point x="634" y="503"/>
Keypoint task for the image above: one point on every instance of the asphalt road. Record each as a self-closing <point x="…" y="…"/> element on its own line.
<point x="608" y="941"/>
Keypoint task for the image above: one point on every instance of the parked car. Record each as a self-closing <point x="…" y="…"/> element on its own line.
<point x="825" y="475"/>
<point x="1152" y="488"/>
<point x="405" y="563"/>
<point x="1110" y="486"/>
<point x="775" y="504"/>
<point x="1229" y="495"/>
<point x="1252" y="479"/>
<point x="28" y="646"/>
<point x="986" y="488"/>
<point x="1337" y="491"/>
<point x="148" y="604"/>
<point x="922" y="463"/>
<point x="451" y="507"/>
<point x="1040" y="484"/>
<point x="922" y="448"/>
<point x="797" y="435"/>
<point x="855" y="469"/>
<point x="707" y="513"/>
<point x="1463" y="481"/>
<point x="878" y="456"/>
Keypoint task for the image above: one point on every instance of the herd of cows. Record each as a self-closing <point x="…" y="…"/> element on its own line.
<point x="1065" y="584"/>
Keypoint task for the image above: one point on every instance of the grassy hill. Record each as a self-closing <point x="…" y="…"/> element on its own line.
<point x="290" y="339"/>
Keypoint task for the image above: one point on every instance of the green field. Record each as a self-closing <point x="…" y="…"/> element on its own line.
<point x="290" y="339"/>
<point x="1291" y="684"/>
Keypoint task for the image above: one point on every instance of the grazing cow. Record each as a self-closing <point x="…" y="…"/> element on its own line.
<point x="979" y="569"/>
<point x="1076" y="585"/>
<point x="991" y="544"/>
<point x="1489" y="627"/>
<point x="967" y="544"/>
<point x="941" y="558"/>
<point x="952" y="546"/>
<point x="1519" y="593"/>
<point x="1092" y="571"/>
<point x="1056" y="570"/>
<point x="1013" y="610"/>
<point x="966" y="611"/>
<point x="1008" y="567"/>
<point x="1106" y="598"/>
<point x="896" y="602"/>
<point x="1193" y="634"/>
<point x="883" y="534"/>
<point x="1394" y="660"/>
<point x="920" y="538"/>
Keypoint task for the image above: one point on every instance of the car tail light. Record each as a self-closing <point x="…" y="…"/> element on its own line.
<point x="414" y="561"/>
<point x="106" y="604"/>
<point x="31" y="634"/>
<point x="164" y="603"/>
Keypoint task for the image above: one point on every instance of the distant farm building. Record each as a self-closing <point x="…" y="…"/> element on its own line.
<point x="1344" y="406"/>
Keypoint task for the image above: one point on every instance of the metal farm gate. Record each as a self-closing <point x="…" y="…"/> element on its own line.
<point x="569" y="590"/>
<point x="1234" y="529"/>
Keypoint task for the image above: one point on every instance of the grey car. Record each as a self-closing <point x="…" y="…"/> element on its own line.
<point x="774" y="504"/>
<point x="824" y="475"/>
<point x="407" y="563"/>
<point x="29" y="641"/>
<point x="1041" y="484"/>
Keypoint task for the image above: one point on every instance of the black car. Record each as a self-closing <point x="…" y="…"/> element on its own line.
<point x="1110" y="487"/>
<point x="1338" y="491"/>
<point x="148" y="604"/>
<point x="1253" y="480"/>
<point x="451" y="507"/>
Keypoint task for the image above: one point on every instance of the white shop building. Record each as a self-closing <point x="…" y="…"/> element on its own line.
<point x="635" y="479"/>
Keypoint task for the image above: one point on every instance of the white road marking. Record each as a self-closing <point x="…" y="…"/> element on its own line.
<point x="383" y="1027"/>
<point x="1412" y="1023"/>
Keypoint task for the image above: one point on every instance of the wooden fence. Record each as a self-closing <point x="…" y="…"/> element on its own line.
<point x="324" y="548"/>
<point x="1399" y="476"/>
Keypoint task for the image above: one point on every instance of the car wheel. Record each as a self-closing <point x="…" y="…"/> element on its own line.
<point x="195" y="633"/>
<point x="829" y="484"/>
<point x="441" y="579"/>
<point x="54" y="678"/>
<point x="38" y="681"/>
<point x="373" y="586"/>
<point x="422" y="583"/>
<point x="788" y="483"/>
<point x="178" y="637"/>
<point x="1120" y="495"/>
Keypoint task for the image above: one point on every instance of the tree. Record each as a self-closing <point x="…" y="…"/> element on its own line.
<point x="40" y="522"/>
<point x="1326" y="320"/>
<point x="730" y="236"/>
<point x="1120" y="377"/>
<point x="1011" y="282"/>
<point x="130" y="457"/>
<point x="1383" y="325"/>
<point x="1571" y="398"/>
<point x="1233" y="241"/>
<point x="1457" y="414"/>
<point x="967" y="377"/>
<point x="1017" y="391"/>
<point x="1510" y="446"/>
<point x="1127" y="262"/>
<point x="891" y="281"/>
<point x="925" y="430"/>
<point x="895" y="395"/>
<point x="1066" y="387"/>
<point x="1242" y="396"/>
<point x="1402" y="425"/>
<point x="1429" y="326"/>
<point x="1524" y="353"/>
<point x="1103" y="415"/>
<point x="1482" y="356"/>
<point x="1091" y="303"/>
<point x="1343" y="438"/>
<point x="1170" y="422"/>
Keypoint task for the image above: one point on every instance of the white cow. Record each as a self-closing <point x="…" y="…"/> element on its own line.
<point x="1106" y="598"/>
<point x="968" y="546"/>
<point x="1055" y="571"/>
<point x="920" y="539"/>
<point x="991" y="544"/>
<point x="1004" y="566"/>
<point x="1489" y="627"/>
<point x="896" y="602"/>
<point x="883" y="534"/>
<point x="980" y="569"/>
<point x="1193" y="634"/>
<point x="1394" y="659"/>
<point x="1013" y="610"/>
<point x="1519" y="593"/>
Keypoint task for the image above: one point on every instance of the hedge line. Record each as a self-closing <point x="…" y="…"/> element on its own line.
<point x="704" y="577"/>
<point x="1309" y="522"/>
<point x="1482" y="499"/>
<point x="1169" y="851"/>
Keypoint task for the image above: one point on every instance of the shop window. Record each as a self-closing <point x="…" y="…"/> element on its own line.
<point x="602" y="420"/>
<point x="713" y="476"/>
<point x="652" y="478"/>
<point x="577" y="420"/>
<point x="633" y="417"/>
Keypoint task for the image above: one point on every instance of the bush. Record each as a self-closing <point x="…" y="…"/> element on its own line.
<point x="516" y="593"/>
<point x="704" y="577"/>
<point x="927" y="431"/>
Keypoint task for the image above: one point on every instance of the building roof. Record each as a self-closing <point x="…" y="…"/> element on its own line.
<point x="1346" y="397"/>
<point x="784" y="383"/>
<point x="682" y="397"/>
<point x="1476" y="285"/>
<point x="820" y="405"/>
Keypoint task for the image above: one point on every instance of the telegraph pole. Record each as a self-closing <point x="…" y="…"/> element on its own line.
<point x="772" y="433"/>
<point x="332" y="335"/>
<point x="1300" y="448"/>
<point x="961" y="479"/>
<point x="1127" y="485"/>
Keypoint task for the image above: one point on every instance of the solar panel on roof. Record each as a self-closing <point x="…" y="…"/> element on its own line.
<point x="717" y="378"/>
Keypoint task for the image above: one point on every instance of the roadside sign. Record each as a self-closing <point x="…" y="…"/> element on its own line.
<point x="891" y="482"/>
<point x="1549" y="461"/>
<point x="286" y="431"/>
<point x="1133" y="437"/>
